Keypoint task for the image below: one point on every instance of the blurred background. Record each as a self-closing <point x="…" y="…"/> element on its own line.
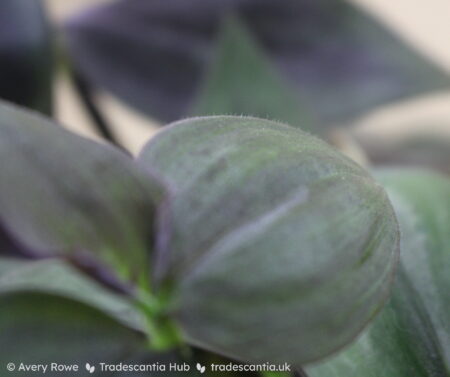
<point x="412" y="123"/>
<point x="423" y="25"/>
<point x="68" y="108"/>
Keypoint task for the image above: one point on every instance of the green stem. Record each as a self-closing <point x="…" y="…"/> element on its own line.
<point x="163" y="332"/>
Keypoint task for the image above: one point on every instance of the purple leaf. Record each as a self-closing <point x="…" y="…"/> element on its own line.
<point x="154" y="54"/>
<point x="25" y="54"/>
<point x="61" y="194"/>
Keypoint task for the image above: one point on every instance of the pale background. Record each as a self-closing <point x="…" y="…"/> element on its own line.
<point x="423" y="24"/>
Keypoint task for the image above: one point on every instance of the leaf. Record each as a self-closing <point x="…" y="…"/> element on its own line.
<point x="8" y="246"/>
<point x="38" y="328"/>
<point x="426" y="151"/>
<point x="61" y="194"/>
<point x="43" y="329"/>
<point x="241" y="81"/>
<point x="51" y="313"/>
<point x="58" y="278"/>
<point x="260" y="259"/>
<point x="155" y="55"/>
<point x="26" y="61"/>
<point x="411" y="336"/>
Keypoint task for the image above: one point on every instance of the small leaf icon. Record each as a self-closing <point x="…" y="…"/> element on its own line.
<point x="90" y="368"/>
<point x="200" y="368"/>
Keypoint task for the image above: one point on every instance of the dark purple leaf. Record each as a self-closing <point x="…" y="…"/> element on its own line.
<point x="25" y="54"/>
<point x="154" y="54"/>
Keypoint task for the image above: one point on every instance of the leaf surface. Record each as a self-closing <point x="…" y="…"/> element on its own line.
<point x="58" y="278"/>
<point x="61" y="194"/>
<point x="38" y="328"/>
<point x="411" y="336"/>
<point x="260" y="259"/>
<point x="51" y="313"/>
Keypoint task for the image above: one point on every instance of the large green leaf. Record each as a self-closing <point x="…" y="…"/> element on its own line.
<point x="277" y="247"/>
<point x="26" y="62"/>
<point x="411" y="336"/>
<point x="241" y="81"/>
<point x="61" y="194"/>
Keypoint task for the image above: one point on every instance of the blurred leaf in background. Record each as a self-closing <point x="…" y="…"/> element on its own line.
<point x="26" y="56"/>
<point x="426" y="151"/>
<point x="242" y="81"/>
<point x="155" y="55"/>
